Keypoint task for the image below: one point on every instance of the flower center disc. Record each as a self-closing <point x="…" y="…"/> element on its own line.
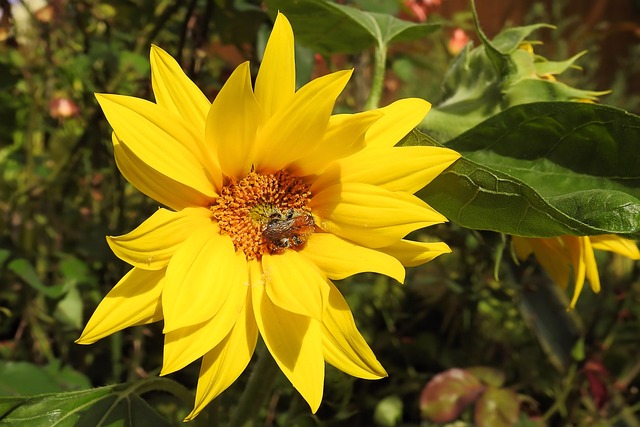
<point x="265" y="213"/>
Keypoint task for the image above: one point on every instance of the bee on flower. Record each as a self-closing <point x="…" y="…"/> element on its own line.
<point x="268" y="198"/>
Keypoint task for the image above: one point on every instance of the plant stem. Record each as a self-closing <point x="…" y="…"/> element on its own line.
<point x="559" y="404"/>
<point x="377" y="82"/>
<point x="257" y="390"/>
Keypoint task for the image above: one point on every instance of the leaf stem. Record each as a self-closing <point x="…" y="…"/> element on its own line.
<point x="257" y="390"/>
<point x="377" y="82"/>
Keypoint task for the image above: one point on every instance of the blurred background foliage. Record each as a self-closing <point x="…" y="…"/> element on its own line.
<point x="62" y="193"/>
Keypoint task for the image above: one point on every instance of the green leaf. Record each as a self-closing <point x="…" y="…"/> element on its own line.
<point x="380" y="6"/>
<point x="556" y="67"/>
<point x="531" y="90"/>
<point x="330" y="28"/>
<point x="544" y="169"/>
<point x="481" y="198"/>
<point x="510" y="39"/>
<point x="497" y="407"/>
<point x="117" y="405"/>
<point x="67" y="377"/>
<point x="69" y="309"/>
<point x="23" y="269"/>
<point x="131" y="410"/>
<point x="76" y="271"/>
<point x="22" y="378"/>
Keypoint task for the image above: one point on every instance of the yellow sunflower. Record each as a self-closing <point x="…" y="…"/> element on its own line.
<point x="560" y="256"/>
<point x="269" y="198"/>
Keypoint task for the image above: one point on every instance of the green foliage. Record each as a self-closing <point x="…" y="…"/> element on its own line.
<point x="328" y="27"/>
<point x="544" y="169"/>
<point x="106" y="406"/>
<point x="534" y="164"/>
<point x="22" y="378"/>
<point x="499" y="74"/>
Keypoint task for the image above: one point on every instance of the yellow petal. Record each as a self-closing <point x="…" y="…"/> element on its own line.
<point x="232" y="123"/>
<point x="369" y="215"/>
<point x="554" y="257"/>
<point x="134" y="300"/>
<point x="411" y="253"/>
<point x="224" y="364"/>
<point x="174" y="91"/>
<point x="294" y="341"/>
<point x="521" y="247"/>
<point x="339" y="258"/>
<point x="294" y="284"/>
<point x="399" y="119"/>
<point x="154" y="184"/>
<point x="345" y="135"/>
<point x="576" y="247"/>
<point x="591" y="268"/>
<point x="153" y="243"/>
<point x="187" y="344"/>
<point x="276" y="80"/>
<point x="298" y="128"/>
<point x="405" y="169"/>
<point x="161" y="139"/>
<point x="616" y="244"/>
<point x="343" y="346"/>
<point x="199" y="280"/>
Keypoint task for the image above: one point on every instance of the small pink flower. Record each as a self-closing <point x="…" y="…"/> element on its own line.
<point x="421" y="8"/>
<point x="458" y="41"/>
<point x="62" y="108"/>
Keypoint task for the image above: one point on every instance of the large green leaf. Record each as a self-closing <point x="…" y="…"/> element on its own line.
<point x="23" y="378"/>
<point x="329" y="28"/>
<point x="117" y="405"/>
<point x="544" y="169"/>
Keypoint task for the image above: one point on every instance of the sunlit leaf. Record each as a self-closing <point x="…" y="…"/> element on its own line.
<point x="328" y="27"/>
<point x="117" y="405"/>
<point x="544" y="169"/>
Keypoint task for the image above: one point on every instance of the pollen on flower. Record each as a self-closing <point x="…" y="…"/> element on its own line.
<point x="265" y="213"/>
